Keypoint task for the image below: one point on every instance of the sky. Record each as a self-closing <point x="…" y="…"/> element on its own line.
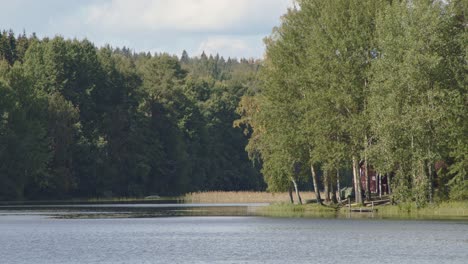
<point x="232" y="28"/>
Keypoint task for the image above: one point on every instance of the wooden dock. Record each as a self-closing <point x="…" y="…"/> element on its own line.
<point x="366" y="207"/>
<point x="363" y="210"/>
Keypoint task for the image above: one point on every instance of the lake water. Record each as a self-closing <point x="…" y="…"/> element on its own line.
<point x="222" y="234"/>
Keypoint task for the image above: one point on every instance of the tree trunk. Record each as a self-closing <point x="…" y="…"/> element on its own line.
<point x="332" y="189"/>
<point x="291" y="199"/>
<point x="366" y="174"/>
<point x="338" y="187"/>
<point x="379" y="178"/>
<point x="388" y="184"/>
<point x="326" y="185"/>
<point x="357" y="181"/>
<point x="366" y="171"/>
<point x="315" y="182"/>
<point x="299" y="199"/>
<point x="431" y="184"/>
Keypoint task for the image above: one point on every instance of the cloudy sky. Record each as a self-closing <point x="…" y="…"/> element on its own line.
<point x="232" y="28"/>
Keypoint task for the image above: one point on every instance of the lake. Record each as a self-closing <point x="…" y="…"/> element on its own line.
<point x="213" y="233"/>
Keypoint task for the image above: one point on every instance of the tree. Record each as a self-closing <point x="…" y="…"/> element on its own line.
<point x="410" y="93"/>
<point x="23" y="134"/>
<point x="111" y="122"/>
<point x="317" y="61"/>
<point x="162" y="84"/>
<point x="453" y="70"/>
<point x="184" y="58"/>
<point x="8" y="50"/>
<point x="63" y="120"/>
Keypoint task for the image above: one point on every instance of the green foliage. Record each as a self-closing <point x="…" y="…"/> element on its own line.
<point x="445" y="210"/>
<point x="384" y="81"/>
<point x="413" y="95"/>
<point x="342" y="81"/>
<point x="77" y="121"/>
<point x="23" y="135"/>
<point x="293" y="210"/>
<point x="311" y="107"/>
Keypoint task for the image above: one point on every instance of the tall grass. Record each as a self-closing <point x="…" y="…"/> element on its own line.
<point x="444" y="210"/>
<point x="242" y="197"/>
<point x="295" y="210"/>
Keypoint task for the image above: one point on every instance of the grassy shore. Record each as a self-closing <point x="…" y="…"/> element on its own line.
<point x="295" y="210"/>
<point x="441" y="211"/>
<point x="444" y="210"/>
<point x="241" y="197"/>
<point x="280" y="206"/>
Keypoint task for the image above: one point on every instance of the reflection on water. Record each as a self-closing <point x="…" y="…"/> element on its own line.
<point x="134" y="210"/>
<point x="228" y="239"/>
<point x="172" y="209"/>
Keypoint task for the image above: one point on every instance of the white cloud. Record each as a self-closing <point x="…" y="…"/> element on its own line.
<point x="232" y="28"/>
<point x="183" y="15"/>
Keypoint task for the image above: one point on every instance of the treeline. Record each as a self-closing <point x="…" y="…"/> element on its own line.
<point x="377" y="82"/>
<point x="82" y="121"/>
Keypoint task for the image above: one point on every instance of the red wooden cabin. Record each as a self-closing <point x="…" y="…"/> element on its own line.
<point x="378" y="183"/>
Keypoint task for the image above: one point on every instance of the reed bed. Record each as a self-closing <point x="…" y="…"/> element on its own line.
<point x="296" y="210"/>
<point x="444" y="210"/>
<point x="242" y="197"/>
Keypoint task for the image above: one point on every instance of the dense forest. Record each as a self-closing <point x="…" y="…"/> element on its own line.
<point x="344" y="84"/>
<point x="374" y="82"/>
<point x="81" y="121"/>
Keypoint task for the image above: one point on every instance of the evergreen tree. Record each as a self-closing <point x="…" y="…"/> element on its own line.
<point x="184" y="58"/>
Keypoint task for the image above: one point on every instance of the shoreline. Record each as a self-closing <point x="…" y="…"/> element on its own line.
<point x="279" y="205"/>
<point x="442" y="211"/>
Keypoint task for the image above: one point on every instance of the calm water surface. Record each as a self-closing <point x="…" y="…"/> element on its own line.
<point x="42" y="236"/>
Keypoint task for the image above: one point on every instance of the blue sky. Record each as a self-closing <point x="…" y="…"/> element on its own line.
<point x="232" y="28"/>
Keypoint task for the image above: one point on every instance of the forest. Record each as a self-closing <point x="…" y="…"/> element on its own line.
<point x="77" y="121"/>
<point x="373" y="82"/>
<point x="342" y="83"/>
